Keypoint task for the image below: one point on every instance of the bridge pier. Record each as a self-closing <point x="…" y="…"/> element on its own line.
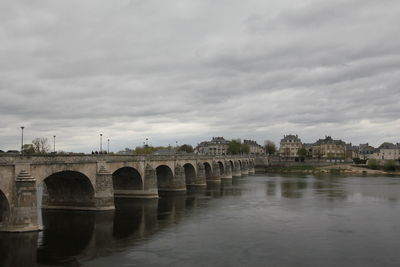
<point x="227" y="171"/>
<point x="245" y="170"/>
<point x="104" y="192"/>
<point x="251" y="168"/>
<point x="236" y="172"/>
<point x="22" y="214"/>
<point x="150" y="189"/>
<point x="216" y="174"/>
<point x="178" y="181"/>
<point x="201" y="175"/>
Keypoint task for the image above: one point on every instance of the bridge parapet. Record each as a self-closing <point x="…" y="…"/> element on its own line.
<point x="57" y="158"/>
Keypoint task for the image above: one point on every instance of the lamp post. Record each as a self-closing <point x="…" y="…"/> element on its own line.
<point x="101" y="143"/>
<point x="22" y="140"/>
<point x="54" y="144"/>
<point x="108" y="146"/>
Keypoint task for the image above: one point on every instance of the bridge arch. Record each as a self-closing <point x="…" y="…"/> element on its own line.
<point x="4" y="208"/>
<point x="190" y="174"/>
<point x="240" y="164"/>
<point x="127" y="178"/>
<point x="232" y="164"/>
<point x="68" y="190"/>
<point x="208" y="170"/>
<point x="165" y="177"/>
<point x="221" y="168"/>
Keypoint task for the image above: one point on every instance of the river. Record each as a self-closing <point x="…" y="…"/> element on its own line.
<point x="260" y="220"/>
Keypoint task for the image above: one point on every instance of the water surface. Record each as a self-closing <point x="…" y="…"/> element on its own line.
<point x="261" y="220"/>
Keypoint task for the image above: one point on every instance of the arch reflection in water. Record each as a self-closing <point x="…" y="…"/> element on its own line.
<point x="66" y="234"/>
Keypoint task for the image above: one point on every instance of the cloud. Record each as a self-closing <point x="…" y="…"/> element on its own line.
<point x="188" y="70"/>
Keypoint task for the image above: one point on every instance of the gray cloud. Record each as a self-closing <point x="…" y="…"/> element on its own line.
<point x="188" y="70"/>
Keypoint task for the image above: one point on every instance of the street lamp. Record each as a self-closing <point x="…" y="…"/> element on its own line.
<point x="101" y="143"/>
<point x="54" y="144"/>
<point x="108" y="146"/>
<point x="22" y="140"/>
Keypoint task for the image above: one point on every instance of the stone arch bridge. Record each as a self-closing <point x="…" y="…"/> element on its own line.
<point x="90" y="182"/>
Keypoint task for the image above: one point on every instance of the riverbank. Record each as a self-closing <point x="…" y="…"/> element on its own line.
<point x="332" y="169"/>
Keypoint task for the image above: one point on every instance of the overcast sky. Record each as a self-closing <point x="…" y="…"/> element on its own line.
<point x="187" y="70"/>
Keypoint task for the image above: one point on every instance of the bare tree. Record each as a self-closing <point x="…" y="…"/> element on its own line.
<point x="270" y="147"/>
<point x="41" y="145"/>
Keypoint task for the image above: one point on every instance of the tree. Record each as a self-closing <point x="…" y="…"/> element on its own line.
<point x="302" y="153"/>
<point x="41" y="145"/>
<point x="145" y="150"/>
<point x="28" y="149"/>
<point x="234" y="147"/>
<point x="270" y="147"/>
<point x="186" y="148"/>
<point x="244" y="148"/>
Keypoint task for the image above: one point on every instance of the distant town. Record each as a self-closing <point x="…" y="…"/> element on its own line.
<point x="291" y="148"/>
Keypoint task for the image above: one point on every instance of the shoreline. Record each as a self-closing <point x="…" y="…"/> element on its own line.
<point x="331" y="169"/>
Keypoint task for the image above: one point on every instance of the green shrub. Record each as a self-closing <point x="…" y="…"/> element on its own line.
<point x="359" y="161"/>
<point x="389" y="166"/>
<point x="373" y="164"/>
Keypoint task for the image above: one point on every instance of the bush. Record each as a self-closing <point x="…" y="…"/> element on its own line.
<point x="373" y="164"/>
<point x="389" y="166"/>
<point x="359" y="161"/>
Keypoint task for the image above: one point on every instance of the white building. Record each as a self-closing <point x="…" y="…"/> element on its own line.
<point x="290" y="145"/>
<point x="217" y="146"/>
<point x="387" y="151"/>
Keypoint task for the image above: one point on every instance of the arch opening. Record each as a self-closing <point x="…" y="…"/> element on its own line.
<point x="221" y="168"/>
<point x="207" y="168"/>
<point x="165" y="177"/>
<point x="127" y="178"/>
<point x="67" y="190"/>
<point x="232" y="165"/>
<point x="4" y="208"/>
<point x="190" y="174"/>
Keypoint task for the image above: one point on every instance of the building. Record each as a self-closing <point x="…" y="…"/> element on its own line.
<point x="329" y="148"/>
<point x="351" y="152"/>
<point x="387" y="151"/>
<point x="217" y="146"/>
<point x="290" y="145"/>
<point x="365" y="151"/>
<point x="254" y="147"/>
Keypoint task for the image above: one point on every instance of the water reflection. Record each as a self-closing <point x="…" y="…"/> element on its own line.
<point x="18" y="249"/>
<point x="291" y="186"/>
<point x="66" y="235"/>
